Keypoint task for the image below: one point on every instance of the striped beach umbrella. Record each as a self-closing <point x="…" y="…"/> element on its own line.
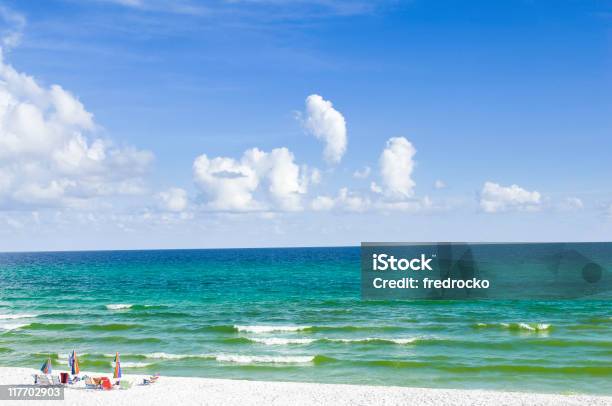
<point x="117" y="373"/>
<point x="47" y="368"/>
<point x="73" y="362"/>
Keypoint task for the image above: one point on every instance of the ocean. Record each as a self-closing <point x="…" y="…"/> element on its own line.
<point x="288" y="314"/>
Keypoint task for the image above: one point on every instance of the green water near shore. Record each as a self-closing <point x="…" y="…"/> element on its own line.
<point x="288" y="314"/>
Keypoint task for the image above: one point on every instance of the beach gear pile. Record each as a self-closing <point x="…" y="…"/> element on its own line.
<point x="98" y="383"/>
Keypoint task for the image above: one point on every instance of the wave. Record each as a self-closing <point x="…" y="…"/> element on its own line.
<point x="127" y="340"/>
<point x="149" y="307"/>
<point x="265" y="359"/>
<point x="516" y="326"/>
<point x="352" y="328"/>
<point x="12" y="326"/>
<point x="274" y="328"/>
<point x="269" y="329"/>
<point x="282" y="341"/>
<point x="114" y="327"/>
<point x="16" y="316"/>
<point x="61" y="356"/>
<point x="135" y="364"/>
<point x="163" y="355"/>
<point x="160" y="356"/>
<point x="118" y="306"/>
<point x="244" y="359"/>
<point x="289" y="341"/>
<point x="217" y="328"/>
<point x="75" y="326"/>
<point x="400" y="341"/>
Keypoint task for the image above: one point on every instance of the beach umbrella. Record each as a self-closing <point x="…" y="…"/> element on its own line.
<point x="117" y="373"/>
<point x="47" y="368"/>
<point x="73" y="362"/>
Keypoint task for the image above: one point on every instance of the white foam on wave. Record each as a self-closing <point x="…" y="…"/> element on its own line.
<point x="134" y="364"/>
<point x="118" y="306"/>
<point x="534" y="326"/>
<point x="368" y="339"/>
<point x="282" y="341"/>
<point x="269" y="329"/>
<point x="264" y="359"/>
<point x="13" y="326"/>
<point x="520" y="326"/>
<point x="16" y="316"/>
<point x="527" y="326"/>
<point x="164" y="355"/>
<point x="64" y="357"/>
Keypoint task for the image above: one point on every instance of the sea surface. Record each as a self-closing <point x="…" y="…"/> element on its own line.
<point x="291" y="314"/>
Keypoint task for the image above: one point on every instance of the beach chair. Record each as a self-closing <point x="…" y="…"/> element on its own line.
<point x="125" y="385"/>
<point x="90" y="384"/>
<point x="150" y="380"/>
<point x="43" y="380"/>
<point x="106" y="384"/>
<point x="55" y="380"/>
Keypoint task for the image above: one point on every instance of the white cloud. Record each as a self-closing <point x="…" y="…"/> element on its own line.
<point x="345" y="200"/>
<point x="10" y="34"/>
<point x="496" y="198"/>
<point x="439" y="184"/>
<point x="396" y="166"/>
<point x="174" y="199"/>
<point x="375" y="188"/>
<point x="49" y="152"/>
<point x="328" y="125"/>
<point x="571" y="203"/>
<point x="362" y="174"/>
<point x="315" y="175"/>
<point x="322" y="203"/>
<point x="231" y="185"/>
<point x="412" y="205"/>
<point x="283" y="176"/>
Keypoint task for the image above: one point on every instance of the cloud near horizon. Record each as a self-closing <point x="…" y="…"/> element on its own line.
<point x="495" y="198"/>
<point x="259" y="181"/>
<point x="53" y="156"/>
<point x="50" y="154"/>
<point x="396" y="167"/>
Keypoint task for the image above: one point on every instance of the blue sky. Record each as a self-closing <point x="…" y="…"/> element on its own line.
<point x="488" y="94"/>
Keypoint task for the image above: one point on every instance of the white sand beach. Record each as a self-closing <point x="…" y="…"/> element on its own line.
<point x="202" y="391"/>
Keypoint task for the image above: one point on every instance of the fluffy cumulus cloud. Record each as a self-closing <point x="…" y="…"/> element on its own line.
<point x="496" y="198"/>
<point x="258" y="181"/>
<point x="571" y="203"/>
<point x="174" y="199"/>
<point x="396" y="167"/>
<point x="345" y="200"/>
<point x="49" y="152"/>
<point x="328" y="125"/>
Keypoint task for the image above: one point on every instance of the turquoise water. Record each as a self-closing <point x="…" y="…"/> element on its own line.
<point x="287" y="314"/>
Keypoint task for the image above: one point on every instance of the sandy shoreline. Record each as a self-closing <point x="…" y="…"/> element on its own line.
<point x="204" y="391"/>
